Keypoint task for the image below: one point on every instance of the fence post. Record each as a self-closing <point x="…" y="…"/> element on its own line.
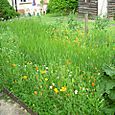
<point x="86" y="20"/>
<point x="86" y="23"/>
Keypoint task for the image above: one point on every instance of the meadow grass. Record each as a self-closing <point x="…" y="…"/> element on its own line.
<point x="54" y="69"/>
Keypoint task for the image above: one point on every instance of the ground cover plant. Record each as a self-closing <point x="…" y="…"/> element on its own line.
<point x="53" y="68"/>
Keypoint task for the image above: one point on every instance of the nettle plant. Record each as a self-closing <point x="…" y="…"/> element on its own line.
<point x="108" y="89"/>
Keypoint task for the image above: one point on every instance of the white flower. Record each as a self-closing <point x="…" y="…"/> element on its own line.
<point x="70" y="75"/>
<point x="25" y="66"/>
<point x="83" y="89"/>
<point x="51" y="87"/>
<point x="76" y="91"/>
<point x="53" y="84"/>
<point x="46" y="68"/>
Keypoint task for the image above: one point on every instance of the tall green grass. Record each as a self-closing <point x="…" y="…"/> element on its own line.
<point x="73" y="59"/>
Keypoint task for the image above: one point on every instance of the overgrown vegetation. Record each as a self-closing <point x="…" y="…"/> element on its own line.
<point x="108" y="89"/>
<point x="101" y="23"/>
<point x="54" y="68"/>
<point x="6" y="11"/>
<point x="63" y="6"/>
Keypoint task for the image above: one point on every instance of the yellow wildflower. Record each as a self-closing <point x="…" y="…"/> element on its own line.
<point x="56" y="90"/>
<point x="25" y="77"/>
<point x="36" y="68"/>
<point x="13" y="65"/>
<point x="43" y="72"/>
<point x="63" y="89"/>
<point x="46" y="79"/>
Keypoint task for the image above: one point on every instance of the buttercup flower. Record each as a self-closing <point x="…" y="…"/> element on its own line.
<point x="56" y="90"/>
<point x="63" y="89"/>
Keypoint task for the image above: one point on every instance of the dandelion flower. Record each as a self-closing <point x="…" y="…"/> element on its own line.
<point x="63" y="89"/>
<point x="56" y="90"/>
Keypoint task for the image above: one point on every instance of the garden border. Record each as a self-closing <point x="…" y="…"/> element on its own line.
<point x="17" y="100"/>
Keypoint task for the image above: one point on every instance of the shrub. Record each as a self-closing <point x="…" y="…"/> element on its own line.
<point x="6" y="11"/>
<point x="63" y="6"/>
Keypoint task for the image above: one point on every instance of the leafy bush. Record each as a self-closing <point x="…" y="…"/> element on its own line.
<point x="108" y="87"/>
<point x="6" y="11"/>
<point x="63" y="6"/>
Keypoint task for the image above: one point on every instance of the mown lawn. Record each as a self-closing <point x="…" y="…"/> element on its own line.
<point x="53" y="66"/>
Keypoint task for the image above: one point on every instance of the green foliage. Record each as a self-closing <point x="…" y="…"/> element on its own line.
<point x="101" y="23"/>
<point x="63" y="6"/>
<point x="73" y="23"/>
<point x="6" y="11"/>
<point x="108" y="89"/>
<point x="67" y="59"/>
